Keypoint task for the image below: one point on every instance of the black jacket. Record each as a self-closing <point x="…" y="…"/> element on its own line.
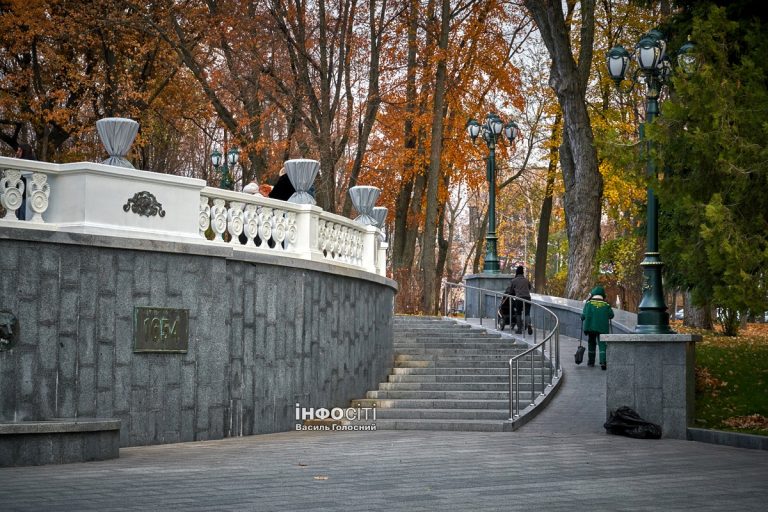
<point x="283" y="189"/>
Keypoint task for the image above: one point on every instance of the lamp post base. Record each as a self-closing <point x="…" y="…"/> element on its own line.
<point x="491" y="262"/>
<point x="653" y="322"/>
<point x="652" y="316"/>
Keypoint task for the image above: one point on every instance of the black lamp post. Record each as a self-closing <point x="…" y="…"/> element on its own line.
<point x="229" y="159"/>
<point x="491" y="131"/>
<point x="655" y="68"/>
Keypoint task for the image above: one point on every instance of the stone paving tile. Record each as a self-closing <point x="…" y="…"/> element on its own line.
<point x="402" y="471"/>
<point x="562" y="460"/>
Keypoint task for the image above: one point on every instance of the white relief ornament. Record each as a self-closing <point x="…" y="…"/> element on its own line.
<point x="322" y="235"/>
<point x="265" y="225"/>
<point x="344" y="243"/>
<point x="333" y="242"/>
<point x="219" y="218"/>
<point x="235" y="221"/>
<point x="39" y="192"/>
<point x="204" y="219"/>
<point x="358" y="248"/>
<point x="280" y="229"/>
<point x="11" y="191"/>
<point x="251" y="227"/>
<point x="292" y="232"/>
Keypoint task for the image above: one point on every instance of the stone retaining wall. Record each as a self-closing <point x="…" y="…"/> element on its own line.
<point x="265" y="332"/>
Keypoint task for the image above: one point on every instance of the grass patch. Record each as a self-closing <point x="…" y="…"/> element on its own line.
<point x="732" y="380"/>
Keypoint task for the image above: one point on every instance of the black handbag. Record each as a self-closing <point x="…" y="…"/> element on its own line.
<point x="579" y="355"/>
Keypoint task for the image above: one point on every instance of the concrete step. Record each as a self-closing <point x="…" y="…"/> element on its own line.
<point x="459" y="352"/>
<point x="489" y="345"/>
<point x="429" y="329"/>
<point x="502" y="378"/>
<point x="428" y="403"/>
<point x="422" y="320"/>
<point x="464" y="371"/>
<point x="448" y="334"/>
<point x="438" y="395"/>
<point x="444" y="386"/>
<point x="439" y="358"/>
<point x="444" y="424"/>
<point x="443" y="414"/>
<point x="469" y="337"/>
<point x="459" y="363"/>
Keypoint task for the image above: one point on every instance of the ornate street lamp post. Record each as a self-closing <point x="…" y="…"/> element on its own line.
<point x="224" y="164"/>
<point x="491" y="131"/>
<point x="654" y="69"/>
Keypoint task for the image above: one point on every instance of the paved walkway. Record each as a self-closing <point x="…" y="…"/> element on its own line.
<point x="560" y="461"/>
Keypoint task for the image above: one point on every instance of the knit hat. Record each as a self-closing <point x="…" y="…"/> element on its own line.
<point x="519" y="270"/>
<point x="598" y="290"/>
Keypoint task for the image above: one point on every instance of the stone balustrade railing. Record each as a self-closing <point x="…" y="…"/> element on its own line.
<point x="102" y="199"/>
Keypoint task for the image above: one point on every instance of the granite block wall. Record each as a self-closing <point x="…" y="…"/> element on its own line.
<point x="264" y="333"/>
<point x="654" y="374"/>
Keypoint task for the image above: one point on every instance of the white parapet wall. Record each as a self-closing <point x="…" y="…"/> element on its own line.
<point x="99" y="199"/>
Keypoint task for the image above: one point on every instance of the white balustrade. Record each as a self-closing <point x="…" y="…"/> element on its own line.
<point x="39" y="191"/>
<point x="219" y="219"/>
<point x="11" y="192"/>
<point x="106" y="200"/>
<point x="235" y="221"/>
<point x="205" y="216"/>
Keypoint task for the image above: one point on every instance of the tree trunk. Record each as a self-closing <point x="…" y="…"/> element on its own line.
<point x="699" y="317"/>
<point x="542" y="240"/>
<point x="480" y="244"/>
<point x="428" y="264"/>
<point x="578" y="158"/>
<point x="402" y="252"/>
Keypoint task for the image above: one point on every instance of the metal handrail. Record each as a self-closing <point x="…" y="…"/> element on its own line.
<point x="550" y="326"/>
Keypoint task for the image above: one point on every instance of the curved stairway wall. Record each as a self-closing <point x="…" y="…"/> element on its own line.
<point x="265" y="332"/>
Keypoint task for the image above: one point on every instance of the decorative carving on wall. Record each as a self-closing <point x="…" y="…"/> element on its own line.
<point x="145" y="204"/>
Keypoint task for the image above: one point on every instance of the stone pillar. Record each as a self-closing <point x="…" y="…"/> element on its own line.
<point x="654" y="374"/>
<point x="494" y="282"/>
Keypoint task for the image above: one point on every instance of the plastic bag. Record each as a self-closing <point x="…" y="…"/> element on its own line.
<point x="624" y="421"/>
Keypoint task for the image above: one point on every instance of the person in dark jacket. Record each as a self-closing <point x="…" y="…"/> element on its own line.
<point x="596" y="319"/>
<point x="521" y="287"/>
<point x="283" y="188"/>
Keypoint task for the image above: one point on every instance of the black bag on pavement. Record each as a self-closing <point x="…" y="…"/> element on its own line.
<point x="579" y="355"/>
<point x="624" y="421"/>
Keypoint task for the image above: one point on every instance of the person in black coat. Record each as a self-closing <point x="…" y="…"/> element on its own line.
<point x="521" y="287"/>
<point x="283" y="189"/>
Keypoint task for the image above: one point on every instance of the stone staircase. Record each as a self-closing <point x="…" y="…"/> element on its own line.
<point x="447" y="376"/>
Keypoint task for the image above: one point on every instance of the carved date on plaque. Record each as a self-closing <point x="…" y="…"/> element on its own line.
<point x="145" y="204"/>
<point x="160" y="330"/>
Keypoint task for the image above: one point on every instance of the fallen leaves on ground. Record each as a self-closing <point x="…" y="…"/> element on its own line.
<point x="751" y="422"/>
<point x="705" y="381"/>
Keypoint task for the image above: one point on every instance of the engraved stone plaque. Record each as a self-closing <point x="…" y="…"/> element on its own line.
<point x="160" y="330"/>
